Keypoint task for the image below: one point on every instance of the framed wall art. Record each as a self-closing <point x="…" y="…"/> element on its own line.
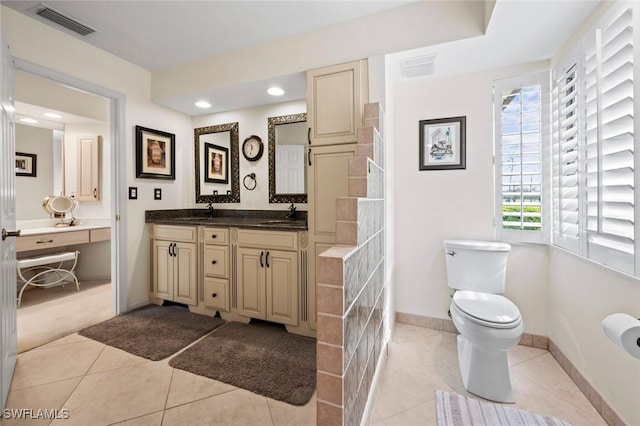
<point x="443" y="143"/>
<point x="216" y="164"/>
<point x="155" y="154"/>
<point x="26" y="164"/>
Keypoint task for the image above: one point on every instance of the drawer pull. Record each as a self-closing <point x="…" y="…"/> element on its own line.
<point x="44" y="242"/>
<point x="214" y="294"/>
<point x="214" y="236"/>
<point x="213" y="262"/>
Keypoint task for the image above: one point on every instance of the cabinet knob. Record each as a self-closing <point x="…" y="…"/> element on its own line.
<point x="214" y="294"/>
<point x="213" y="262"/>
<point x="214" y="236"/>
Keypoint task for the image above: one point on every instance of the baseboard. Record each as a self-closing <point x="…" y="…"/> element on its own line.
<point x="371" y="399"/>
<point x="599" y="403"/>
<point x="445" y="324"/>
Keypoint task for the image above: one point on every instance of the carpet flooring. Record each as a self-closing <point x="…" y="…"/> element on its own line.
<point x="456" y="410"/>
<point x="260" y="358"/>
<point x="152" y="332"/>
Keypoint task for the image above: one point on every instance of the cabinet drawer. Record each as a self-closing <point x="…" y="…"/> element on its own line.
<point x="216" y="261"/>
<point x="268" y="239"/>
<point x="102" y="234"/>
<point x="175" y="233"/>
<point x="216" y="293"/>
<point x="40" y="241"/>
<point x="218" y="236"/>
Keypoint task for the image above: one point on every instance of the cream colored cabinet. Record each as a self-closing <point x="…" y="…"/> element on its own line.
<point x="335" y="102"/>
<point x="175" y="264"/>
<point x="268" y="276"/>
<point x="88" y="178"/>
<point x="216" y="268"/>
<point x="327" y="180"/>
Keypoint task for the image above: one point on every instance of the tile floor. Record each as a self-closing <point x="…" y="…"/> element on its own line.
<point x="101" y="385"/>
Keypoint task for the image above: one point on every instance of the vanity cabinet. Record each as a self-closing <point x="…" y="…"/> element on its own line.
<point x="88" y="177"/>
<point x="268" y="275"/>
<point x="175" y="263"/>
<point x="336" y="97"/>
<point x="215" y="268"/>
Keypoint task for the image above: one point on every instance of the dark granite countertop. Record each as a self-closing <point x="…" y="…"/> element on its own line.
<point x="258" y="219"/>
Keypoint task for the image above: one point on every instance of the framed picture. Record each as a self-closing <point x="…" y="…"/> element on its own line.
<point x="26" y="164"/>
<point x="216" y="163"/>
<point x="155" y="154"/>
<point x="443" y="143"/>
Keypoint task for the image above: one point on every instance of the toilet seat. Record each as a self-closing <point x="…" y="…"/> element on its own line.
<point x="490" y="310"/>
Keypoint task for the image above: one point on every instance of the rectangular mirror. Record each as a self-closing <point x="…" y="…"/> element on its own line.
<point x="217" y="159"/>
<point x="287" y="142"/>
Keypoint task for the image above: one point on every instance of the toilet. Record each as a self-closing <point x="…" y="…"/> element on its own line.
<point x="489" y="324"/>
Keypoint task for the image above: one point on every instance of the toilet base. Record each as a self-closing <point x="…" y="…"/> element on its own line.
<point x="484" y="373"/>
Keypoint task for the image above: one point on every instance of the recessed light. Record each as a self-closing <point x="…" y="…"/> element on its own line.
<point x="203" y="104"/>
<point x="52" y="115"/>
<point x="29" y="120"/>
<point x="275" y="91"/>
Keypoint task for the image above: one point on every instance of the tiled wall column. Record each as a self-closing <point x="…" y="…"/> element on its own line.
<point x="351" y="287"/>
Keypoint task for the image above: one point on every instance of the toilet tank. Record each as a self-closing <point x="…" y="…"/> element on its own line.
<point x="476" y="265"/>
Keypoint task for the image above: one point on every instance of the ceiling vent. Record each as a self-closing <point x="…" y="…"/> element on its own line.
<point x="418" y="66"/>
<point x="58" y="18"/>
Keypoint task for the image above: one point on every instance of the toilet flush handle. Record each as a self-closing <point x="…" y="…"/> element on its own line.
<point x="451" y="253"/>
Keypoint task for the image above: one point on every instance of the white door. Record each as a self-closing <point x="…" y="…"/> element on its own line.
<point x="8" y="331"/>
<point x="290" y="173"/>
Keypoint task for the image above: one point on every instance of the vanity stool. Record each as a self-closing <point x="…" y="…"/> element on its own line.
<point x="44" y="268"/>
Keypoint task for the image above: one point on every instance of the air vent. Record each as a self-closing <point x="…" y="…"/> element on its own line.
<point x="418" y="66"/>
<point x="58" y="18"/>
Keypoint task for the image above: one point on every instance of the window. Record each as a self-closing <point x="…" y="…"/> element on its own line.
<point x="521" y="121"/>
<point x="593" y="145"/>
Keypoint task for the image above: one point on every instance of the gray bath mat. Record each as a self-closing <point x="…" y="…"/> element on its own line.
<point x="153" y="332"/>
<point x="260" y="358"/>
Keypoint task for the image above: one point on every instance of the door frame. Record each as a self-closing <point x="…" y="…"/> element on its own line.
<point x="117" y="118"/>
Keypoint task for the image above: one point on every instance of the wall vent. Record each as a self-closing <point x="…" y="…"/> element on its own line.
<point x="418" y="66"/>
<point x="58" y="18"/>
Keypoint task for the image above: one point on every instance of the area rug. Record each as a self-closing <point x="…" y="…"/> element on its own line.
<point x="456" y="410"/>
<point x="260" y="358"/>
<point x="152" y="332"/>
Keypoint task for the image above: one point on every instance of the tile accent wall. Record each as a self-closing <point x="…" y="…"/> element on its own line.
<point x="351" y="289"/>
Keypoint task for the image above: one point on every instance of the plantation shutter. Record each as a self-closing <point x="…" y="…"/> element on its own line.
<point x="609" y="142"/>
<point x="566" y="157"/>
<point x="521" y="122"/>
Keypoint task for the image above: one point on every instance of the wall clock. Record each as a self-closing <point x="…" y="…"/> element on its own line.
<point x="252" y="148"/>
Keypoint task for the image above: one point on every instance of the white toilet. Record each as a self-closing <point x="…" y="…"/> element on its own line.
<point x="489" y="324"/>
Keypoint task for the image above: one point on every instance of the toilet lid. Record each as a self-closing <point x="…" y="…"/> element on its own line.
<point x="491" y="308"/>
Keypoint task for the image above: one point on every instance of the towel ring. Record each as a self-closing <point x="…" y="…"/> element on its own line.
<point x="253" y="177"/>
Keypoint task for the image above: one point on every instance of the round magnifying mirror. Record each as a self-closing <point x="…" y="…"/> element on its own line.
<point x="59" y="206"/>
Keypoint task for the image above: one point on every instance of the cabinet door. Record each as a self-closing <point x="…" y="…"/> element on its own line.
<point x="282" y="286"/>
<point x="251" y="283"/>
<point x="88" y="179"/>
<point x="335" y="102"/>
<point x="162" y="270"/>
<point x="328" y="179"/>
<point x="185" y="273"/>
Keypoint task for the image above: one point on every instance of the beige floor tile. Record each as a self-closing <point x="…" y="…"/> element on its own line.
<point x="71" y="338"/>
<point x="153" y="419"/>
<point x="51" y="396"/>
<point x="284" y="414"/>
<point x="237" y="408"/>
<point x="188" y="387"/>
<point x="112" y="358"/>
<point x="403" y="333"/>
<point x="37" y="367"/>
<point x="378" y="423"/>
<point x="118" y="395"/>
<point x="520" y="354"/>
<point x="421" y="415"/>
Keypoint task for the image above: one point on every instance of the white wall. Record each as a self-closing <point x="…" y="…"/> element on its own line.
<point x="251" y="121"/>
<point x="431" y="206"/>
<point x="30" y="191"/>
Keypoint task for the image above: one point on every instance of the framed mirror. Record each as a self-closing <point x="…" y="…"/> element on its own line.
<point x="287" y="143"/>
<point x="217" y="164"/>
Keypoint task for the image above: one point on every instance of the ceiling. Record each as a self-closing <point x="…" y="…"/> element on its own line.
<point x="158" y="35"/>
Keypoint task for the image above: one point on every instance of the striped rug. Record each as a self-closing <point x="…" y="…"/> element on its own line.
<point x="456" y="410"/>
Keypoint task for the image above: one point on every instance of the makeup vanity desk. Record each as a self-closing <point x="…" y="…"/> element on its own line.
<point x="50" y="237"/>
